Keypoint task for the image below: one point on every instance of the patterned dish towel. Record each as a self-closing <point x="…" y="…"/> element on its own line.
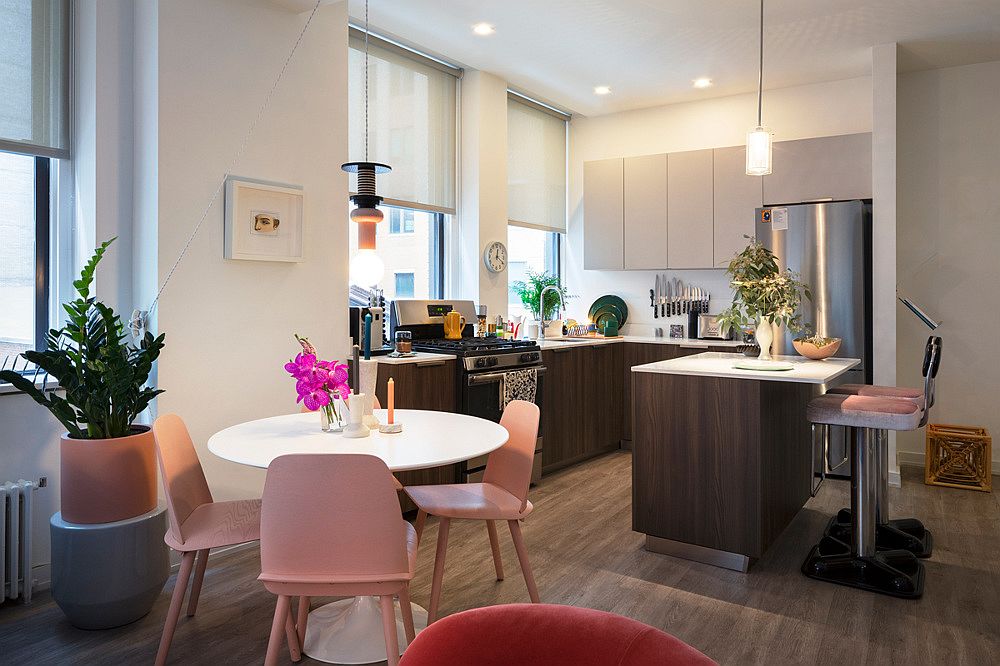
<point x="518" y="385"/>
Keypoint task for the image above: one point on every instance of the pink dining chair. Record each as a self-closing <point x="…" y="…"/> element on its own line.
<point x="197" y="522"/>
<point x="331" y="526"/>
<point x="503" y="495"/>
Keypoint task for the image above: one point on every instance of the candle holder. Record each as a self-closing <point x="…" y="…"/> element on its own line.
<point x="390" y="428"/>
<point x="367" y="375"/>
<point x="356" y="428"/>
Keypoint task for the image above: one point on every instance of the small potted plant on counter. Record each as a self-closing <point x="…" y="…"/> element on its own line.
<point x="108" y="491"/>
<point x="817" y="347"/>
<point x="763" y="295"/>
<point x="530" y="293"/>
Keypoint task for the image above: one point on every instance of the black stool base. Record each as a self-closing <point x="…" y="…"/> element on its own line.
<point x="901" y="534"/>
<point x="894" y="572"/>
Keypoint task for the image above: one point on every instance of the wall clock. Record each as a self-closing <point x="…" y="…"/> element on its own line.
<point x="495" y="257"/>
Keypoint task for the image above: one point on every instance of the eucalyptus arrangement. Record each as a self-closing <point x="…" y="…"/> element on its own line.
<point x="530" y="292"/>
<point x="763" y="295"/>
<point x="102" y="373"/>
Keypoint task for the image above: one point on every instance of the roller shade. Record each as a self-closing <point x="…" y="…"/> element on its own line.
<point x="536" y="167"/>
<point x="34" y="77"/>
<point x="411" y="124"/>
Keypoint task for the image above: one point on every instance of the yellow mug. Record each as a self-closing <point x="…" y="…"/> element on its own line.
<point x="454" y="324"/>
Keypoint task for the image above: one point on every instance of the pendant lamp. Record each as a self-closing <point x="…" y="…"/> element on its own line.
<point x="367" y="268"/>
<point x="759" y="139"/>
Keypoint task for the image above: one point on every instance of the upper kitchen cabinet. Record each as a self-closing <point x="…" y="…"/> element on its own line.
<point x="604" y="214"/>
<point x="646" y="212"/>
<point x="737" y="196"/>
<point x="832" y="167"/>
<point x="690" y="210"/>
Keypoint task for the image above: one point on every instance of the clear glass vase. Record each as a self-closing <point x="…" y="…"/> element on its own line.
<point x="330" y="415"/>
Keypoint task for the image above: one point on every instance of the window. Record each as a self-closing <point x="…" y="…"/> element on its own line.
<point x="409" y="242"/>
<point x="404" y="285"/>
<point x="34" y="129"/>
<point x="529" y="250"/>
<point x="412" y="116"/>
<point x="24" y="253"/>
<point x="536" y="191"/>
<point x="400" y="221"/>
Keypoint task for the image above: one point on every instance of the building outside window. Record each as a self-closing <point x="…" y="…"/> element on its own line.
<point x="401" y="221"/>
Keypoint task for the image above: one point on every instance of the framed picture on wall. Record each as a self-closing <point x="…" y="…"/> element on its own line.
<point x="263" y="220"/>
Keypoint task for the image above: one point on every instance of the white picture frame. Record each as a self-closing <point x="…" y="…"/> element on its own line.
<point x="263" y="220"/>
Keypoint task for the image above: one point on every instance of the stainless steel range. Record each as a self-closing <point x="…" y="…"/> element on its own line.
<point x="484" y="364"/>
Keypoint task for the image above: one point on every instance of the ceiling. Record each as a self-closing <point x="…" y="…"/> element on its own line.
<point x="649" y="51"/>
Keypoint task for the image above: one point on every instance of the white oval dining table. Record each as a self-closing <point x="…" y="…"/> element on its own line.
<point x="349" y="631"/>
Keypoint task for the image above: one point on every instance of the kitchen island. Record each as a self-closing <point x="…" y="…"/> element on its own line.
<point x="722" y="457"/>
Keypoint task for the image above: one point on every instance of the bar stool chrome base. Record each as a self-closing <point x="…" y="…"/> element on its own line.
<point x="899" y="534"/>
<point x="894" y="572"/>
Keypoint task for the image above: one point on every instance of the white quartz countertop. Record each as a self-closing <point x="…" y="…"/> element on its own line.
<point x="717" y="364"/>
<point x="418" y="357"/>
<point x="556" y="343"/>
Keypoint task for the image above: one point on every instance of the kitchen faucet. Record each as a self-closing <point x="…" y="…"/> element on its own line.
<point x="541" y="306"/>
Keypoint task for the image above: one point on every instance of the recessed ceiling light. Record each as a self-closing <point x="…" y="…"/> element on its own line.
<point x="702" y="82"/>
<point x="483" y="29"/>
<point x="602" y="90"/>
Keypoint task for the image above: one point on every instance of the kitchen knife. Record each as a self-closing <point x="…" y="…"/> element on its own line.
<point x="664" y="296"/>
<point x="667" y="299"/>
<point x="656" y="299"/>
<point x="687" y="299"/>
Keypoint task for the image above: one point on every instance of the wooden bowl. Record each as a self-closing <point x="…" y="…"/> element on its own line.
<point x="809" y="350"/>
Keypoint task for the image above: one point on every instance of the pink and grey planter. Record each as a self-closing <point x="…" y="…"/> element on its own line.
<point x="109" y="560"/>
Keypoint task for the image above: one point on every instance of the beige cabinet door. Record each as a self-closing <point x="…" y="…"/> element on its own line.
<point x="690" y="210"/>
<point x="737" y="196"/>
<point x="604" y="214"/>
<point x="646" y="212"/>
<point x="831" y="167"/>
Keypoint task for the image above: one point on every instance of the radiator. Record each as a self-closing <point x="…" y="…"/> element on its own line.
<point x="15" y="539"/>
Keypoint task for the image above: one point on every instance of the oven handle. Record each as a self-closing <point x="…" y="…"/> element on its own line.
<point x="478" y="380"/>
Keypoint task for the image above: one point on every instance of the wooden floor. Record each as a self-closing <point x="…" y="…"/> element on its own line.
<point x="585" y="554"/>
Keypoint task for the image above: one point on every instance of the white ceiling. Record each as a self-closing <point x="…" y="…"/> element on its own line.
<point x="649" y="51"/>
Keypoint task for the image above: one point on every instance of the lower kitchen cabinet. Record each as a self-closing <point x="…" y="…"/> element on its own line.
<point x="429" y="385"/>
<point x="582" y="403"/>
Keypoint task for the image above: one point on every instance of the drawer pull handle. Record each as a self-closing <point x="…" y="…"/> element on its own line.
<point x="430" y="364"/>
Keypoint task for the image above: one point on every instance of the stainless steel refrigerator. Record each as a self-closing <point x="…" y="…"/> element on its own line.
<point x="829" y="245"/>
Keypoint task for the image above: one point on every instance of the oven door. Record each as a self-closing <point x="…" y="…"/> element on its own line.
<point x="481" y="397"/>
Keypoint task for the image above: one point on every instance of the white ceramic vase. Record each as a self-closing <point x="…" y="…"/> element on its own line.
<point x="764" y="335"/>
<point x="366" y="385"/>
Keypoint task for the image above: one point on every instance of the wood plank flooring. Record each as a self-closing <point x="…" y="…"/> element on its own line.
<point x="584" y="553"/>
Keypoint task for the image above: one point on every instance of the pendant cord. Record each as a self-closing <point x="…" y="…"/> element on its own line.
<point x="232" y="165"/>
<point x="760" y="70"/>
<point x="366" y="80"/>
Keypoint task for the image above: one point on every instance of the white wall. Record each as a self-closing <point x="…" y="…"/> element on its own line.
<point x="825" y="109"/>
<point x="948" y="241"/>
<point x="229" y="324"/>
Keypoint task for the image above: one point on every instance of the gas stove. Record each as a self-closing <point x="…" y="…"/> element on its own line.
<point x="425" y="321"/>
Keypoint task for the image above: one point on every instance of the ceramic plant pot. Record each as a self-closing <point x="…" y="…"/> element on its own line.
<point x="107" y="480"/>
<point x="809" y="350"/>
<point x="764" y="334"/>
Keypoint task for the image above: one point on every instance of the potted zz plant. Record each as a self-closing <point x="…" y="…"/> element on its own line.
<point x="530" y="293"/>
<point x="107" y="464"/>
<point x="763" y="295"/>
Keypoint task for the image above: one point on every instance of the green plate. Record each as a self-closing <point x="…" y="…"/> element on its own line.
<point x="610" y="299"/>
<point x="607" y="309"/>
<point x="604" y="317"/>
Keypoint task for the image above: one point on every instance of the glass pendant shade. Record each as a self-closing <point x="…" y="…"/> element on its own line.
<point x="367" y="269"/>
<point x="759" y="151"/>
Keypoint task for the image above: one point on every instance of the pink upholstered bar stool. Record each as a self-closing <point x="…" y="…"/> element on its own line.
<point x="197" y="523"/>
<point x="905" y="533"/>
<point x="331" y="526"/>
<point x="503" y="495"/>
